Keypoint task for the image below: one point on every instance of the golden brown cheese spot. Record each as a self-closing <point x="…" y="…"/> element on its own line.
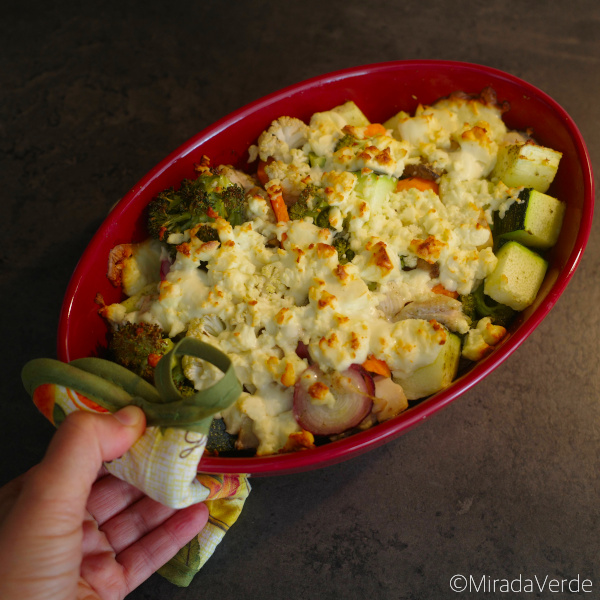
<point x="326" y="300"/>
<point x="493" y="333"/>
<point x="318" y="391"/>
<point x="436" y="326"/>
<point x="213" y="297"/>
<point x="330" y="341"/>
<point x="282" y="316"/>
<point x="299" y="254"/>
<point x="341" y="273"/>
<point x="476" y="134"/>
<point x="405" y="346"/>
<point x="289" y="376"/>
<point x="384" y="158"/>
<point x="208" y="246"/>
<point x="203" y="166"/>
<point x="354" y="341"/>
<point x="428" y="249"/>
<point x="440" y="330"/>
<point x="380" y="257"/>
<point x="229" y="244"/>
<point x="299" y="440"/>
<point x="274" y="189"/>
<point x="325" y="250"/>
<point x="363" y="209"/>
<point x="342" y="319"/>
<point x="164" y="289"/>
<point x="272" y="364"/>
<point x="184" y="248"/>
<point x="116" y="260"/>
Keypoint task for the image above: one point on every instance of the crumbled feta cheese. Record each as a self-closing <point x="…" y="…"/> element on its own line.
<point x="265" y="287"/>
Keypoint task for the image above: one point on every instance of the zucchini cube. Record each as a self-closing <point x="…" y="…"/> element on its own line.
<point x="352" y="114"/>
<point x="517" y="277"/>
<point x="535" y="221"/>
<point x="436" y="376"/>
<point x="527" y="165"/>
<point x="375" y="188"/>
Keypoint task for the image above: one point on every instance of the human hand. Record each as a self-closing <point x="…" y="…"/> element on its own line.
<point x="67" y="533"/>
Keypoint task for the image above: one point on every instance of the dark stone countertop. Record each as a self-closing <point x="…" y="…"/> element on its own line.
<point x="504" y="481"/>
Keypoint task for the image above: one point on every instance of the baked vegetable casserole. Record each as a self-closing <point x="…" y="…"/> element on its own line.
<point x="349" y="272"/>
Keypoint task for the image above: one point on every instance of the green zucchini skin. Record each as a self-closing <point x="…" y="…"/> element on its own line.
<point x="518" y="276"/>
<point x="535" y="221"/>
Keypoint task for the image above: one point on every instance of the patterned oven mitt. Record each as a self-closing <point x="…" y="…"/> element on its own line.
<point x="163" y="463"/>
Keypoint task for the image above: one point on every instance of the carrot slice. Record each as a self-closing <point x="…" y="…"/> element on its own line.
<point x="418" y="183"/>
<point x="440" y="289"/>
<point x="260" y="172"/>
<point x="376" y="365"/>
<point x="279" y="208"/>
<point x="211" y="212"/>
<point x="374" y="129"/>
<point x="153" y="359"/>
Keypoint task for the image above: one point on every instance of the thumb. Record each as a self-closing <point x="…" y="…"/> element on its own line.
<point x="63" y="480"/>
<point x="40" y="541"/>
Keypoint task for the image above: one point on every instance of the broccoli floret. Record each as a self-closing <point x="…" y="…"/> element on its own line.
<point x="218" y="438"/>
<point x="477" y="305"/>
<point x="311" y="203"/>
<point x="182" y="383"/>
<point x="345" y="253"/>
<point x="349" y="141"/>
<point x="469" y="306"/>
<point x="138" y="347"/>
<point x="198" y="201"/>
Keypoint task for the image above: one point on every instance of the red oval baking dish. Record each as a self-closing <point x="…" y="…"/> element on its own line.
<point x="380" y="90"/>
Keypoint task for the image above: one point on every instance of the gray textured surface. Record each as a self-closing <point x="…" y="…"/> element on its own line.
<point x="505" y="480"/>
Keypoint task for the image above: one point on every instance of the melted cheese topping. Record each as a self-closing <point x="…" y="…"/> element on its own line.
<point x="257" y="302"/>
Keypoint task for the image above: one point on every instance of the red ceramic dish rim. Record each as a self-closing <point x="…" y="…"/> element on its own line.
<point x="343" y="449"/>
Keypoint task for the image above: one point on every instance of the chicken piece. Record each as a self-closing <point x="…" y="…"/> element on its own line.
<point x="445" y="310"/>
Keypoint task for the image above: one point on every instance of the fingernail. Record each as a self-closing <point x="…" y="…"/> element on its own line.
<point x="130" y="415"/>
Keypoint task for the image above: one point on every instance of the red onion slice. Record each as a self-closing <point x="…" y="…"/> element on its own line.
<point x="165" y="264"/>
<point x="302" y="350"/>
<point x="350" y="395"/>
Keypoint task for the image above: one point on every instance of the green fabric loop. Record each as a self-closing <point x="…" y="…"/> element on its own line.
<point x="46" y="370"/>
<point x="119" y="375"/>
<point x="214" y="398"/>
<point x="113" y="387"/>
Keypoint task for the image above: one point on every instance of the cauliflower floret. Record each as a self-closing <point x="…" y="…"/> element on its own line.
<point x="476" y="156"/>
<point x="382" y="154"/>
<point x="134" y="266"/>
<point x="284" y="134"/>
<point x="293" y="175"/>
<point x="481" y="340"/>
<point x="235" y="176"/>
